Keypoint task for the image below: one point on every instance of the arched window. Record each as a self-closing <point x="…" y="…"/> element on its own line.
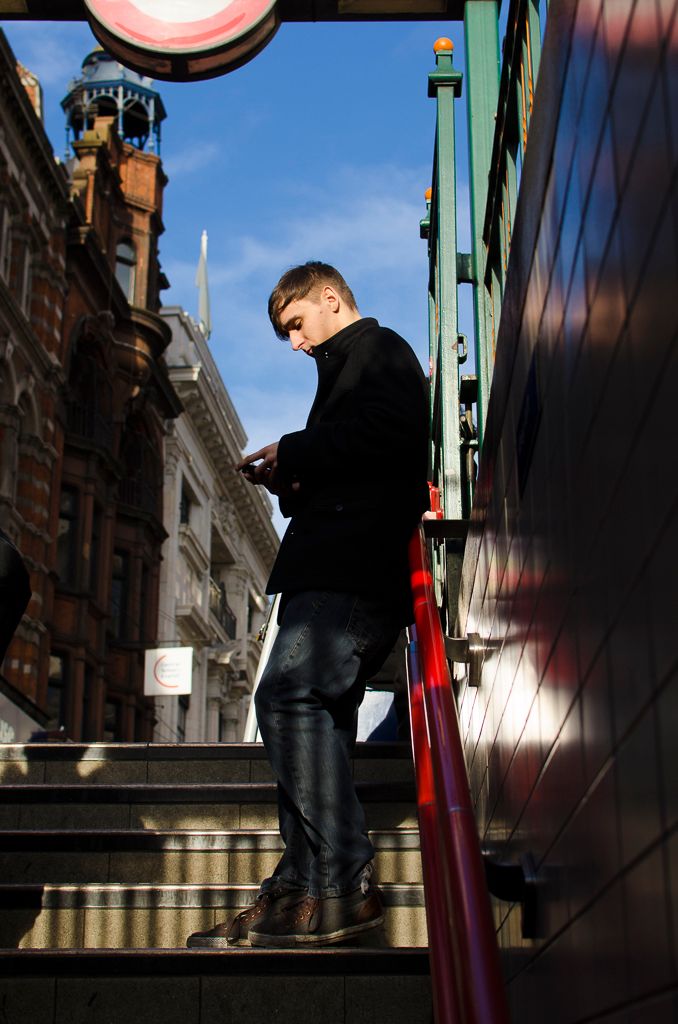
<point x="125" y="267"/>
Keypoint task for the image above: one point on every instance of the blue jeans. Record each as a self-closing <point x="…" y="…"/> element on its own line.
<point x="307" y="703"/>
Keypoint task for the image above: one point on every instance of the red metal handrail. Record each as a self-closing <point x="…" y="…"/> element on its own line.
<point x="467" y="982"/>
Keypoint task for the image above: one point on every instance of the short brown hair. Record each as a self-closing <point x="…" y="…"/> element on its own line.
<point x="298" y="282"/>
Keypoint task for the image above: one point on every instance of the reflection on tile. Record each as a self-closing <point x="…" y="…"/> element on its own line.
<point x="576" y="581"/>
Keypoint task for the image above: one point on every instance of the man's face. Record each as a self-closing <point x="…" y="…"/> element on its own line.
<point x="309" y="322"/>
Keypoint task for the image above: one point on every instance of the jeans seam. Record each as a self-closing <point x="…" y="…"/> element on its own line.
<point x="317" y="606"/>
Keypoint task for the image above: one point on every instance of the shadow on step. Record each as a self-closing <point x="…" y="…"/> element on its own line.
<point x="18" y="916"/>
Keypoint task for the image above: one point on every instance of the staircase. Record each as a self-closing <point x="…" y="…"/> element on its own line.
<point x="111" y="854"/>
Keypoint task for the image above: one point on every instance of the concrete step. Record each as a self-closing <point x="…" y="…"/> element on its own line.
<point x="118" y="763"/>
<point x="181" y="806"/>
<point x="335" y="985"/>
<point x="159" y="916"/>
<point x="217" y="856"/>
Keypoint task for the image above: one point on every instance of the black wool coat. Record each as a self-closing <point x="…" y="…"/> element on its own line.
<point x="361" y="466"/>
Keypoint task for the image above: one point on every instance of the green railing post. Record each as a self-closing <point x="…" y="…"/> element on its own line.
<point x="481" y="44"/>
<point x="444" y="84"/>
<point x="424" y="232"/>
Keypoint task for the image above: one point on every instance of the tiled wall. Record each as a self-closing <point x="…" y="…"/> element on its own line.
<point x="571" y="571"/>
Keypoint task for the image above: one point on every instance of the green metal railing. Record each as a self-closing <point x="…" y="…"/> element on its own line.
<point x="499" y="109"/>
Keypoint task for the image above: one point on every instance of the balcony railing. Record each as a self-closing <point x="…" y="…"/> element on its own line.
<point x="221" y="609"/>
<point x="139" y="494"/>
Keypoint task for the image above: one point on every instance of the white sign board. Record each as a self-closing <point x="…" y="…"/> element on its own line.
<point x="168" y="671"/>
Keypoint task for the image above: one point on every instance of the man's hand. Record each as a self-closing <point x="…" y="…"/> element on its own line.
<point x="262" y="468"/>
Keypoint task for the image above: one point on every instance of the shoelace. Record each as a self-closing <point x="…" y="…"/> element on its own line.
<point x="368" y="871"/>
<point x="301" y="911"/>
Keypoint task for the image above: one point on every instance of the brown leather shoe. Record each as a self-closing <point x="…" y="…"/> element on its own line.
<point x="312" y="921"/>
<point x="236" y="931"/>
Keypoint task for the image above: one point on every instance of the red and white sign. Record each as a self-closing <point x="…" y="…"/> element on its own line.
<point x="182" y="40"/>
<point x="168" y="671"/>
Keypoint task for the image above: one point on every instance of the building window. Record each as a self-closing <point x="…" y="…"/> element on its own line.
<point x="67" y="536"/>
<point x="90" y="407"/>
<point x="143" y="604"/>
<point x="125" y="268"/>
<point x="141" y="485"/>
<point x="5" y="243"/>
<point x="112" y="721"/>
<point x="120" y="594"/>
<point x="184" y="704"/>
<point x="26" y="279"/>
<point x="88" y="704"/>
<point x="95" y="552"/>
<point x="184" y="507"/>
<point x="57" y="692"/>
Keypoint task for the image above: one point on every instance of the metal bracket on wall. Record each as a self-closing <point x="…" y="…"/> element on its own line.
<point x="469" y="651"/>
<point x="515" y="883"/>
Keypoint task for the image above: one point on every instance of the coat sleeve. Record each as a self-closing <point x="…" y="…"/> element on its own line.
<point x="387" y="420"/>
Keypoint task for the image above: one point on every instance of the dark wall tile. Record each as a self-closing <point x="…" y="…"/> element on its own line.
<point x="637" y="68"/>
<point x="647" y="901"/>
<point x="666" y="710"/>
<point x="593" y="842"/>
<point x="598" y="938"/>
<point x="639" y="803"/>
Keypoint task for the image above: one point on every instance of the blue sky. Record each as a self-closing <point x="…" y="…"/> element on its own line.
<point x="319" y="148"/>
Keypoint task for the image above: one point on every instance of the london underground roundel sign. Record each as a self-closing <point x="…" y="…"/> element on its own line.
<point x="183" y="40"/>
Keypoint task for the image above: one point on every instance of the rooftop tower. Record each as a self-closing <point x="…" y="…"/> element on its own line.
<point x="108" y="88"/>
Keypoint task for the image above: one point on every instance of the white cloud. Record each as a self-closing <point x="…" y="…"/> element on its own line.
<point x="193" y="159"/>
<point x="365" y="220"/>
<point x="52" y="51"/>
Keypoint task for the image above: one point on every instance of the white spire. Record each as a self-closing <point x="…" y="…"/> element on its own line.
<point x="203" y="288"/>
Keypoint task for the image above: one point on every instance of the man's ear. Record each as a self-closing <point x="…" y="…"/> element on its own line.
<point x="331" y="297"/>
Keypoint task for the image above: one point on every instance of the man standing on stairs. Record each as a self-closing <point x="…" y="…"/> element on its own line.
<point x="354" y="483"/>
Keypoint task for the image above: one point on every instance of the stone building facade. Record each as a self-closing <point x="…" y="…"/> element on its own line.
<point x="219" y="551"/>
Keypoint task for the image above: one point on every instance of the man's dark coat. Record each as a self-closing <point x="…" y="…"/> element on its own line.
<point x="361" y="467"/>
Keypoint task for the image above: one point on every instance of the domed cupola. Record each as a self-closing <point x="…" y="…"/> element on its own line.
<point x="109" y="88"/>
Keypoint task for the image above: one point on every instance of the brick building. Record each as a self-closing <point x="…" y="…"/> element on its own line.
<point x="85" y="397"/>
<point x="35" y="210"/>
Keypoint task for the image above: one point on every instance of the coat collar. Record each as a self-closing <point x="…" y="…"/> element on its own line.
<point x="339" y="345"/>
